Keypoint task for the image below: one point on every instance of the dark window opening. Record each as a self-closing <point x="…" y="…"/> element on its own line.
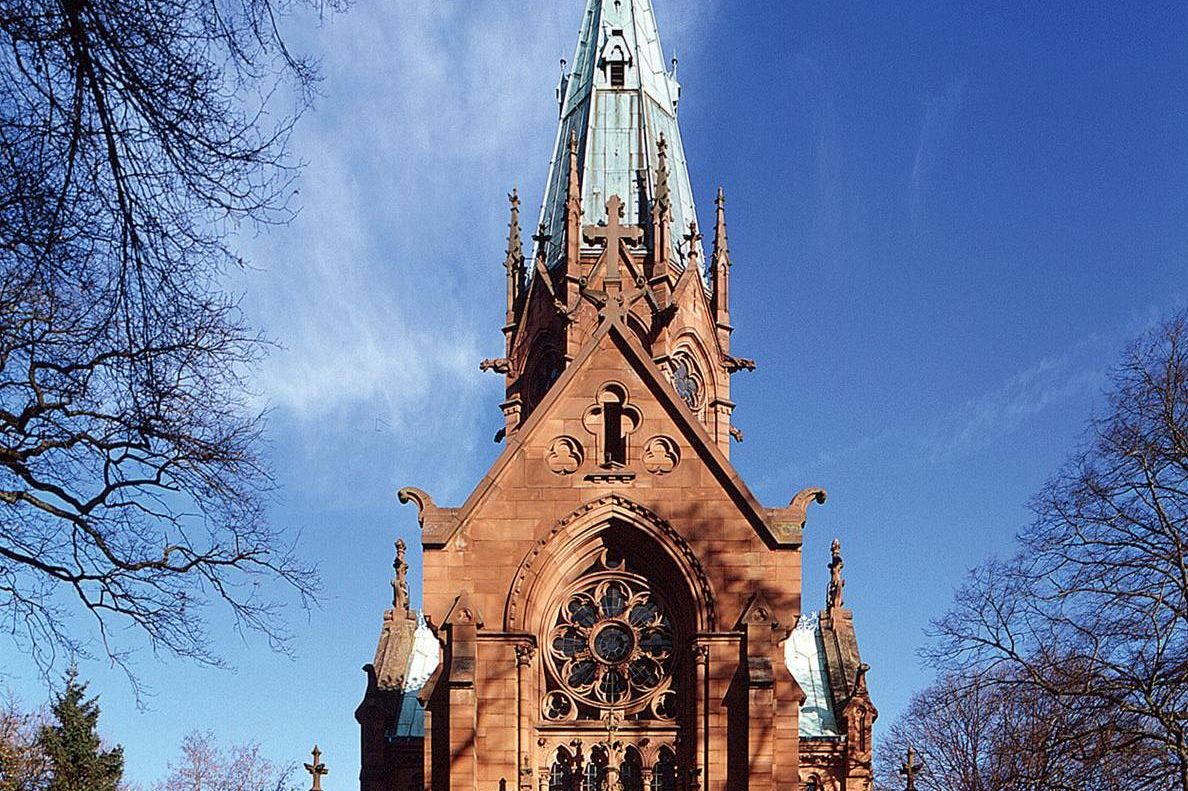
<point x="616" y="443"/>
<point x="618" y="74"/>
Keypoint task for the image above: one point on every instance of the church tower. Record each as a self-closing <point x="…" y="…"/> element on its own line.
<point x="611" y="607"/>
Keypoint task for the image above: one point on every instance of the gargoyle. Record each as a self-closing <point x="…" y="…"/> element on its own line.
<point x="735" y="364"/>
<point x="501" y="365"/>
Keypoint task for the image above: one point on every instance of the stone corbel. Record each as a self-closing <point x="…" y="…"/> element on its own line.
<point x="437" y="524"/>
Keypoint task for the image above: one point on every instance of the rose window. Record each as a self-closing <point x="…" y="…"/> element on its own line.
<point x="611" y="646"/>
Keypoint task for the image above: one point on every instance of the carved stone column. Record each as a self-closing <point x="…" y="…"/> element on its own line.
<point x="700" y="728"/>
<point x="525" y="652"/>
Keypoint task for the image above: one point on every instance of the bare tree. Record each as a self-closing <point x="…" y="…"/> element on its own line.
<point x="205" y="766"/>
<point x="136" y="137"/>
<point x="24" y="765"/>
<point x="987" y="733"/>
<point x="1091" y="618"/>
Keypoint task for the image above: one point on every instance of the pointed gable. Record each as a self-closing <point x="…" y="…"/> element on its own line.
<point x="611" y="353"/>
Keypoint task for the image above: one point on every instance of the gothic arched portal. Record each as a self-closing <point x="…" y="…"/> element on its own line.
<point x="613" y="597"/>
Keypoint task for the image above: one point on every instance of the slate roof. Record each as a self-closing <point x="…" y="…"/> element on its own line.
<point x="407" y="656"/>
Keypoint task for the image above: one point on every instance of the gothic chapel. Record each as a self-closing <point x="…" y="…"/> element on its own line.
<point x="611" y="608"/>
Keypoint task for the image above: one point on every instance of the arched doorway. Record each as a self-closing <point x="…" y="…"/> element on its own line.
<point x="614" y="599"/>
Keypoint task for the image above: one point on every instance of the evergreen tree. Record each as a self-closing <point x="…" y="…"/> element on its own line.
<point x="77" y="759"/>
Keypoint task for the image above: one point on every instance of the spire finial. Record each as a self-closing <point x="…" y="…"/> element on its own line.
<point x="663" y="199"/>
<point x="515" y="248"/>
<point x="693" y="238"/>
<point x="833" y="598"/>
<point x="317" y="769"/>
<point x="514" y="262"/>
<point x="400" y="597"/>
<point x="721" y="244"/>
<point x="573" y="208"/>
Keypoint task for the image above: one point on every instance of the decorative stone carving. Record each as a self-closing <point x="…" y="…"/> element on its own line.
<point x="565" y="456"/>
<point x="525" y="653"/>
<point x="661" y="456"/>
<point x="837" y="584"/>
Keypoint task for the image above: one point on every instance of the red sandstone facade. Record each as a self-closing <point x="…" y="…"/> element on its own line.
<point x="611" y="607"/>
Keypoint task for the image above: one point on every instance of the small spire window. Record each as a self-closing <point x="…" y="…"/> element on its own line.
<point x="618" y="75"/>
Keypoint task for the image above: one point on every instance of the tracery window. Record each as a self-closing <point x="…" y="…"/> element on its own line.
<point x="611" y="648"/>
<point x="687" y="380"/>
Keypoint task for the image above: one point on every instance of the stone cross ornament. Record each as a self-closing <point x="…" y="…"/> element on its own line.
<point x="613" y="235"/>
<point x="317" y="769"/>
<point x="910" y="769"/>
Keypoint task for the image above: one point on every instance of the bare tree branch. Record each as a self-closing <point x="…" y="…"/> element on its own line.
<point x="1092" y="615"/>
<point x="135" y="138"/>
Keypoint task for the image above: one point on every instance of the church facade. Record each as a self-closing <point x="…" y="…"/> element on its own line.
<point x="611" y="608"/>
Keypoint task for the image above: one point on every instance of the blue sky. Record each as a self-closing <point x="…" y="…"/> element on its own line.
<point x="947" y="219"/>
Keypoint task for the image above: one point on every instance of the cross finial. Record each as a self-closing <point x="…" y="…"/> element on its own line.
<point x="910" y="769"/>
<point x="836" y="583"/>
<point x="613" y="235"/>
<point x="317" y="769"/>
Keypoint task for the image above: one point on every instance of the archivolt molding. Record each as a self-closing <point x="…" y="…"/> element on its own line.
<point x="583" y="526"/>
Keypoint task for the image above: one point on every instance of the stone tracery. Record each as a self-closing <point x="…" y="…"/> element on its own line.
<point x="611" y="645"/>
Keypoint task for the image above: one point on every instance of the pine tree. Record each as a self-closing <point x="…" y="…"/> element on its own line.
<point x="77" y="759"/>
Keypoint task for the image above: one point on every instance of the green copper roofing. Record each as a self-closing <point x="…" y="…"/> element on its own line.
<point x="618" y="127"/>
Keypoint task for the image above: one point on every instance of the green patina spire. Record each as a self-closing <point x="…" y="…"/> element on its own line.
<point x="619" y="99"/>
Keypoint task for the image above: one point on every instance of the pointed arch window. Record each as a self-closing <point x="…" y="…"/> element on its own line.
<point x="594" y="774"/>
<point x="664" y="772"/>
<point x="561" y="773"/>
<point x="631" y="771"/>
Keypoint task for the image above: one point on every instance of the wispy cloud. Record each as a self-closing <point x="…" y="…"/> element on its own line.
<point x="940" y="112"/>
<point x="1047" y="383"/>
<point x="386" y="292"/>
<point x="1077" y="374"/>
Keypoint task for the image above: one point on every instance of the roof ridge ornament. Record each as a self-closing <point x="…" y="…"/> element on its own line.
<point x="834" y="599"/>
<point x="400" y="597"/>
